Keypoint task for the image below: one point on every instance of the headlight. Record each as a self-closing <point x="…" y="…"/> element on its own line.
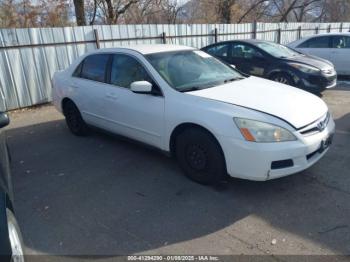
<point x="256" y="131"/>
<point x="305" y="68"/>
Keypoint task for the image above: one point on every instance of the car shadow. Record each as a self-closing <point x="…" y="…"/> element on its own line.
<point x="102" y="195"/>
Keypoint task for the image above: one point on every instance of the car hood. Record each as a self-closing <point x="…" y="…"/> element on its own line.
<point x="317" y="62"/>
<point x="295" y="106"/>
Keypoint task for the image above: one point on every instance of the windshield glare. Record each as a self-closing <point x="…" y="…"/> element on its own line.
<point x="192" y="70"/>
<point x="277" y="50"/>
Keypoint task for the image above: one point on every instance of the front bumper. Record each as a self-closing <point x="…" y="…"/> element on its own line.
<point x="318" y="83"/>
<point x="255" y="161"/>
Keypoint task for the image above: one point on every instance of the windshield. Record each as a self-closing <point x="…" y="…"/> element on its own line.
<point x="192" y="70"/>
<point x="277" y="50"/>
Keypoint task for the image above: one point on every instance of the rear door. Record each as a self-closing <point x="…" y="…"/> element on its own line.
<point x="340" y="53"/>
<point x="88" y="88"/>
<point x="317" y="46"/>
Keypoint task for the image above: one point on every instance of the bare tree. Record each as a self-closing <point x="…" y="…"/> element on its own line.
<point x="8" y="13"/>
<point x="254" y="6"/>
<point x="79" y="7"/>
<point x="113" y="9"/>
<point x="224" y="10"/>
<point x="335" y="11"/>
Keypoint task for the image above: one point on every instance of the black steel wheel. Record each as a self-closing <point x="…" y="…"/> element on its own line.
<point x="200" y="156"/>
<point x="283" y="78"/>
<point x="74" y="119"/>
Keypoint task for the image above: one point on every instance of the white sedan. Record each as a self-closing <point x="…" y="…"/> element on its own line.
<point x="213" y="119"/>
<point x="334" y="47"/>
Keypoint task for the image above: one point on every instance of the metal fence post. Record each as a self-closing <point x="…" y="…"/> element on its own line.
<point x="164" y="37"/>
<point x="215" y="35"/>
<point x="299" y="32"/>
<point x="97" y="39"/>
<point x="329" y="28"/>
<point x="341" y="27"/>
<point x="279" y="35"/>
<point x="255" y="29"/>
<point x="316" y="30"/>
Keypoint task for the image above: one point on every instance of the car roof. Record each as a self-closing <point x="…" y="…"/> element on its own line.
<point x="301" y="40"/>
<point x="147" y="49"/>
<point x="248" y="41"/>
<point x="330" y="34"/>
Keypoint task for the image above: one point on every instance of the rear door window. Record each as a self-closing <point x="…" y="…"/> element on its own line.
<point x="94" y="67"/>
<point x="316" y="42"/>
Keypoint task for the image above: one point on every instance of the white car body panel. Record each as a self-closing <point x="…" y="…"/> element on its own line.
<point x="152" y="119"/>
<point x="338" y="56"/>
<point x="270" y="97"/>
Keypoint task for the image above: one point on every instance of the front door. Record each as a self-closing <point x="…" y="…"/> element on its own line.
<point x="138" y="116"/>
<point x="341" y="54"/>
<point x="317" y="46"/>
<point x="248" y="59"/>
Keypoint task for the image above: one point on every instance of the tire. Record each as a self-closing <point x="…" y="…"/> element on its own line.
<point x="200" y="156"/>
<point x="15" y="237"/>
<point x="283" y="78"/>
<point x="74" y="119"/>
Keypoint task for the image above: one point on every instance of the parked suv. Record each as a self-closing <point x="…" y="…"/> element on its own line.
<point x="276" y="62"/>
<point x="11" y="248"/>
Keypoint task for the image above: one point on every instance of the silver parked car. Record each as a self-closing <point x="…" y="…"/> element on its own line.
<point x="334" y="47"/>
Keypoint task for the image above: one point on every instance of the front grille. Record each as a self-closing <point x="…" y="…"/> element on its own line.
<point x="317" y="126"/>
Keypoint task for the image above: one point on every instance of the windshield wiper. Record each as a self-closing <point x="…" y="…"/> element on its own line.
<point x="233" y="79"/>
<point x="189" y="89"/>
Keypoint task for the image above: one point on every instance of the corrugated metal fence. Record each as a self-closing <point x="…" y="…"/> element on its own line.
<point x="29" y="57"/>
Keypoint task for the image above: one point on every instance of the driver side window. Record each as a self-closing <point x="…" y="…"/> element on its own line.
<point x="244" y="52"/>
<point x="126" y="70"/>
<point x="341" y="42"/>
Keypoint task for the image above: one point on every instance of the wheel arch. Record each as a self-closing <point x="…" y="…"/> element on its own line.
<point x="185" y="126"/>
<point x="64" y="101"/>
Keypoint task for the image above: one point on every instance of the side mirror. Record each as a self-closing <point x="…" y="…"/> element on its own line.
<point x="141" y="87"/>
<point x="4" y="120"/>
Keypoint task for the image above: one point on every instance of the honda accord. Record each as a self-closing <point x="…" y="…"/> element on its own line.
<point x="181" y="100"/>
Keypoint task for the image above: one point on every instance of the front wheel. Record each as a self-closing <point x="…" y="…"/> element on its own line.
<point x="200" y="156"/>
<point x="15" y="238"/>
<point x="283" y="78"/>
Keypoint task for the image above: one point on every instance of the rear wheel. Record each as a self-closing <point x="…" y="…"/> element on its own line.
<point x="200" y="156"/>
<point x="283" y="78"/>
<point x="74" y="119"/>
<point x="15" y="238"/>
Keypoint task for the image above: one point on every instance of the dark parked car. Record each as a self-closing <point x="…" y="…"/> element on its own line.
<point x="276" y="62"/>
<point x="11" y="248"/>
